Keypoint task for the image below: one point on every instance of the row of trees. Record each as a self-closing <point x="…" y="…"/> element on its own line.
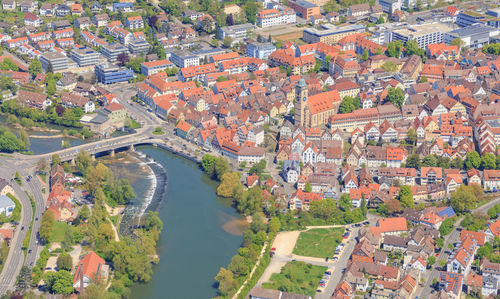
<point x="9" y="142"/>
<point x="472" y="160"/>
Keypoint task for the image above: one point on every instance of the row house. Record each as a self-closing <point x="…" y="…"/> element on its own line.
<point x="234" y="66"/>
<point x="196" y="72"/>
<point x="41" y="36"/>
<point x="64" y="33"/>
<point x="92" y="39"/>
<point x="17" y="42"/>
<point x="65" y="42"/>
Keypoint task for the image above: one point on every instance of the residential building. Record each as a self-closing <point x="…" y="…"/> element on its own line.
<point x="149" y="68"/>
<point x="135" y="22"/>
<point x="58" y="61"/>
<point x="359" y="10"/>
<point x="8" y="4"/>
<point x="108" y="74"/>
<point x="260" y="50"/>
<point x="390" y="6"/>
<point x="100" y="20"/>
<point x="91" y="269"/>
<point x="274" y="17"/>
<point x="123" y="6"/>
<point x="491" y="179"/>
<point x="236" y="32"/>
<point x="6" y="206"/>
<point x="33" y="99"/>
<point x="182" y="60"/>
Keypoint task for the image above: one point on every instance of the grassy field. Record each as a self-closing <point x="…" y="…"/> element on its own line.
<point x="58" y="231"/>
<point x="297" y="277"/>
<point x="318" y="242"/>
<point x="114" y="220"/>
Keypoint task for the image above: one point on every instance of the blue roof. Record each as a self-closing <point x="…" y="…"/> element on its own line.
<point x="448" y="212"/>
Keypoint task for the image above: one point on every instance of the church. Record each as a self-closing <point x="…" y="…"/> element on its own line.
<point x="314" y="111"/>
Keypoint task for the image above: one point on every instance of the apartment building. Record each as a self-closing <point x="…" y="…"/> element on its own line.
<point x="182" y="59"/>
<point x="329" y="33"/>
<point x="149" y="68"/>
<point x="85" y="56"/>
<point x="134" y="22"/>
<point x="275" y="17"/>
<point x="58" y="61"/>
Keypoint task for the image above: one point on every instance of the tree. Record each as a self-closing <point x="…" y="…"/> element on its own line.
<point x="457" y="163"/>
<point x="446" y="226"/>
<point x="123" y="58"/>
<point x="308" y="187"/>
<point x="394" y="49"/>
<point x="413" y="161"/>
<point x="135" y="64"/>
<point x="221" y="166"/>
<point x="458" y="42"/>
<point x="472" y="160"/>
<point x="413" y="48"/>
<point x="431" y="260"/>
<point x="207" y="163"/>
<point x="230" y="20"/>
<point x="227" y="283"/>
<point x="429" y="161"/>
<point x="323" y="209"/>
<point x="381" y="20"/>
<point x="258" y="168"/>
<point x="439" y="243"/>
<point x="442" y="263"/>
<point x="51" y="87"/>
<point x="393" y="206"/>
<point x="64" y="262"/>
<point x="363" y="206"/>
<point x="488" y="161"/>
<point x="46" y="226"/>
<point x="251" y="9"/>
<point x="84" y="213"/>
<point x="238" y="266"/>
<point x="172" y="7"/>
<point x="463" y="199"/>
<point x="227" y="42"/>
<point x="396" y="96"/>
<point x="35" y="67"/>
<point x="60" y="282"/>
<point x="349" y="104"/>
<point x="7" y="65"/>
<point x="289" y="71"/>
<point x="423" y="79"/>
<point x="390" y="66"/>
<point x="406" y="197"/>
<point x="274" y="225"/>
<point x="82" y="161"/>
<point x="229" y="181"/>
<point x="412" y="136"/>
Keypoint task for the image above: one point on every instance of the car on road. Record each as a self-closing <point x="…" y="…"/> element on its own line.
<point x="335" y="259"/>
<point x="29" y="251"/>
<point x="320" y="289"/>
<point x="22" y="228"/>
<point x="345" y="235"/>
<point x="328" y="272"/>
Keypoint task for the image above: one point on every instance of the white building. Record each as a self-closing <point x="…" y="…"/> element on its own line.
<point x="6" y="206"/>
<point x="274" y="17"/>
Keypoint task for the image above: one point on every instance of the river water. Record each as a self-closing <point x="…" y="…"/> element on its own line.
<point x="201" y="232"/>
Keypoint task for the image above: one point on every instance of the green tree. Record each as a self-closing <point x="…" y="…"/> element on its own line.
<point x="238" y="266"/>
<point x="439" y="243"/>
<point x="227" y="283"/>
<point x="345" y="202"/>
<point x="396" y="96"/>
<point x="274" y="225"/>
<point x="35" y="67"/>
<point x="349" y="104"/>
<point x="83" y="161"/>
<point x="46" y="226"/>
<point x="64" y="262"/>
<point x="457" y="163"/>
<point x="221" y="166"/>
<point x="7" y="64"/>
<point x="429" y="161"/>
<point x="229" y="181"/>
<point x="208" y="163"/>
<point x="394" y="49"/>
<point x="406" y="197"/>
<point x="412" y="136"/>
<point x="413" y="161"/>
<point x="446" y="226"/>
<point x="423" y="79"/>
<point x="308" y="187"/>
<point x="60" y="282"/>
<point x="431" y="260"/>
<point x="463" y="199"/>
<point x="472" y="160"/>
<point x="458" y="42"/>
<point x="258" y="168"/>
<point x="390" y="66"/>
<point x="488" y="161"/>
<point x="227" y="42"/>
<point x="135" y="64"/>
<point x="153" y="221"/>
<point x="51" y="87"/>
<point x="413" y="48"/>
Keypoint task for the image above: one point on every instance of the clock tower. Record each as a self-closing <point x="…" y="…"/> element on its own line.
<point x="301" y="95"/>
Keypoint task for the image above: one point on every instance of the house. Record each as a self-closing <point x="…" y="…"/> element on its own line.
<point x="431" y="219"/>
<point x="30" y="19"/>
<point x="9" y="4"/>
<point x="91" y="269"/>
<point x="363" y="252"/>
<point x="493" y="230"/>
<point x="6" y="206"/>
<point x="5" y="187"/>
<point x="389" y="226"/>
<point x="431" y="175"/>
<point x="33" y="99"/>
<point x="135" y="22"/>
<point x="451" y="283"/>
<point x="291" y="170"/>
<point x="491" y="179"/>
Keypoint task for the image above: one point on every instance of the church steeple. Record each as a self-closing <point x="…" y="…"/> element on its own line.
<point x="301" y="95"/>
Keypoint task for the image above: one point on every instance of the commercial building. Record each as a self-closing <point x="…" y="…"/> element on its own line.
<point x="304" y="9"/>
<point x="274" y="17"/>
<point x="390" y="6"/>
<point x="112" y="51"/>
<point x="138" y="46"/>
<point x="474" y="36"/>
<point x="329" y="33"/>
<point x="466" y="18"/>
<point x="181" y="59"/>
<point x="260" y="50"/>
<point x="425" y="34"/>
<point x="84" y="56"/>
<point x="108" y="74"/>
<point x="236" y="32"/>
<point x="152" y="67"/>
<point x="58" y="61"/>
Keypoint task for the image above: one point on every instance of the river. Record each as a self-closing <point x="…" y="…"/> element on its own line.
<point x="201" y="232"/>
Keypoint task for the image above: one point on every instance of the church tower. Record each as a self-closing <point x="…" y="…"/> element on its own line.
<point x="301" y="95"/>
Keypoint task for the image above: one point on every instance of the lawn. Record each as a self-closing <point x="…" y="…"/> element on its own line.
<point x="318" y="242"/>
<point x="114" y="220"/>
<point x="297" y="277"/>
<point x="58" y="231"/>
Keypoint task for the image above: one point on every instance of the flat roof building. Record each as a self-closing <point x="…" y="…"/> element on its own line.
<point x="109" y="73"/>
<point x="138" y="46"/>
<point x="425" y="34"/>
<point x="474" y="36"/>
<point x="85" y="56"/>
<point x="236" y="32"/>
<point x="330" y="33"/>
<point x="111" y="51"/>
<point x="304" y="9"/>
<point x="182" y="59"/>
<point x="58" y="61"/>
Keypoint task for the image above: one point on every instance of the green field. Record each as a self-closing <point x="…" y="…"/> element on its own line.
<point x="58" y="231"/>
<point x="319" y="242"/>
<point x="297" y="277"/>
